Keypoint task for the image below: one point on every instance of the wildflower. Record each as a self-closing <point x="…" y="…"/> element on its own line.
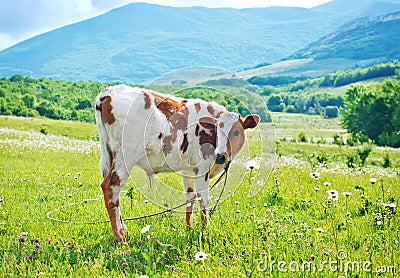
<point x="143" y="276"/>
<point x="24" y="233"/>
<point x="200" y="256"/>
<point x="378" y="222"/>
<point x="238" y="211"/>
<point x="347" y="194"/>
<point x="372" y="180"/>
<point x="237" y="202"/>
<point x="312" y="256"/>
<point x="30" y="256"/>
<point x="316" y="188"/>
<point x="333" y="195"/>
<point x="21" y="239"/>
<point x="315" y="175"/>
<point x="327" y="184"/>
<point x="252" y="164"/>
<point x="146" y="229"/>
<point x="37" y="245"/>
<point x="145" y="201"/>
<point x="320" y="230"/>
<point x="48" y="241"/>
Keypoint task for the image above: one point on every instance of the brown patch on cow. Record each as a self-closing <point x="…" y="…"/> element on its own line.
<point x="221" y="125"/>
<point x="106" y="110"/>
<point x="147" y="100"/>
<point x="197" y="106"/>
<point x="166" y="105"/>
<point x="185" y="143"/>
<point x="207" y="150"/>
<point x="206" y="138"/>
<point x="160" y="136"/>
<point x="236" y="138"/>
<point x="207" y="141"/>
<point x="179" y="120"/>
<point x="184" y="101"/>
<point x="189" y="190"/>
<point x="196" y="170"/>
<point x="168" y="142"/>
<point x="210" y="109"/>
<point x="196" y="131"/>
<point x="206" y="177"/>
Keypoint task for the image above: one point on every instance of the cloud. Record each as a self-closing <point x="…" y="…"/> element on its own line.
<point x="18" y="18"/>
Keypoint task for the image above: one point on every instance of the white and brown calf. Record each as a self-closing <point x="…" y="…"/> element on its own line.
<point x="162" y="133"/>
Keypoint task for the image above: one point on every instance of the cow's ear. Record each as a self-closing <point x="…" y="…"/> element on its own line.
<point x="251" y="121"/>
<point x="208" y="122"/>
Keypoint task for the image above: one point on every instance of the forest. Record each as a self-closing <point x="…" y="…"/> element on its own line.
<point x="303" y="95"/>
<point x="368" y="112"/>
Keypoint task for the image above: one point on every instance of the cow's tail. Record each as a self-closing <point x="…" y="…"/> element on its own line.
<point x="105" y="156"/>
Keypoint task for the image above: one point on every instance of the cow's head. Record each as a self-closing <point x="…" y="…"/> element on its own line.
<point x="230" y="129"/>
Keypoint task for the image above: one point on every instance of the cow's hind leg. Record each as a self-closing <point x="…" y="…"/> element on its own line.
<point x="111" y="186"/>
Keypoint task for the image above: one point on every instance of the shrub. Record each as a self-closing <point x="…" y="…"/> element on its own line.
<point x="387" y="162"/>
<point x="302" y="137"/>
<point x="331" y="112"/>
<point x="364" y="152"/>
<point x="338" y="140"/>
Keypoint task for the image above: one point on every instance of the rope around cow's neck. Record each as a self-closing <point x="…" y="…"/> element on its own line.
<point x="225" y="173"/>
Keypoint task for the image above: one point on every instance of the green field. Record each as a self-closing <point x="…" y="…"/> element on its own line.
<point x="289" y="229"/>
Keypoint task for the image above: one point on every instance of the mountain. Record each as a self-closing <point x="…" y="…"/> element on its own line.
<point x="361" y="42"/>
<point x="362" y="39"/>
<point x="140" y="42"/>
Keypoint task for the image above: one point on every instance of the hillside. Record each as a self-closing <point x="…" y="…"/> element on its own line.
<point x="139" y="42"/>
<point x="359" y="43"/>
<point x="362" y="39"/>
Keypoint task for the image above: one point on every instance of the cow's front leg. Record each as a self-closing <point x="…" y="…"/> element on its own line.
<point x="190" y="196"/>
<point x="111" y="187"/>
<point x="201" y="184"/>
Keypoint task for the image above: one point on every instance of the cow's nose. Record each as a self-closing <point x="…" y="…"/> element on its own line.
<point x="220" y="159"/>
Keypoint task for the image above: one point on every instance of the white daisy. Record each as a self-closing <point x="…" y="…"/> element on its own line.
<point x="146" y="229"/>
<point x="252" y="164"/>
<point x="315" y="175"/>
<point x="200" y="256"/>
<point x="372" y="180"/>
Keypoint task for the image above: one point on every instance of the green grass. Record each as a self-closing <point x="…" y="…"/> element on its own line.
<point x="279" y="224"/>
<point x="289" y="125"/>
<point x="69" y="129"/>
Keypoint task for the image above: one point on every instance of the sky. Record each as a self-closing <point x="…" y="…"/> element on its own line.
<point x="23" y="19"/>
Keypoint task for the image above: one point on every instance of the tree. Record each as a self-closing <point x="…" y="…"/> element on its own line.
<point x="331" y="112"/>
<point x="374" y="113"/>
<point x="275" y="103"/>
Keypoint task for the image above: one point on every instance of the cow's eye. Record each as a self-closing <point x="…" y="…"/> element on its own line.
<point x="236" y="133"/>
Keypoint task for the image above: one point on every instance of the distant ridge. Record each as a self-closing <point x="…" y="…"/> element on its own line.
<point x="139" y="42"/>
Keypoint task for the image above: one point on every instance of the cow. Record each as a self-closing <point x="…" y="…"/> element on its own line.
<point x="164" y="133"/>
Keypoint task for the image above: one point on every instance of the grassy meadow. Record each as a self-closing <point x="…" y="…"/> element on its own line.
<point x="292" y="228"/>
